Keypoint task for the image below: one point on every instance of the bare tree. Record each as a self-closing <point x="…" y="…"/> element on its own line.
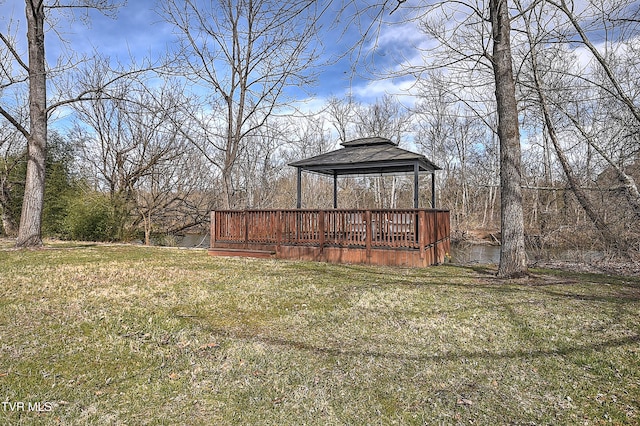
<point x="619" y="31"/>
<point x="341" y="114"/>
<point x="492" y="44"/>
<point x="130" y="142"/>
<point x="585" y="109"/>
<point x="29" y="233"/>
<point x="34" y="70"/>
<point x="310" y="135"/>
<point x="244" y="55"/>
<point x="453" y="136"/>
<point x="513" y="259"/>
<point x="262" y="163"/>
<point x="550" y="127"/>
<point x="173" y="196"/>
<point x="386" y="118"/>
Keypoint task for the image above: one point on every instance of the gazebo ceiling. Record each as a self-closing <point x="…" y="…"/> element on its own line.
<point x="366" y="156"/>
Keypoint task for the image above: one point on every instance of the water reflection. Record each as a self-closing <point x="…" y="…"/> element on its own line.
<point x="475" y="253"/>
<point x="193" y="241"/>
<point x="489" y="254"/>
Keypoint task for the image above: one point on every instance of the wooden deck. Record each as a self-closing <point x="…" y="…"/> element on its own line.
<point x="411" y="237"/>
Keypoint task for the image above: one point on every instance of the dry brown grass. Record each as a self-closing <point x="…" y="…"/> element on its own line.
<point x="133" y="335"/>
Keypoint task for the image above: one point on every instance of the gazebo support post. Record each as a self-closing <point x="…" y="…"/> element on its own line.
<point x="416" y="176"/>
<point x="335" y="189"/>
<point x="299" y="188"/>
<point x="433" y="190"/>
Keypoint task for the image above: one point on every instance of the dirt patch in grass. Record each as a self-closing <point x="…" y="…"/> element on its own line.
<point x="95" y="334"/>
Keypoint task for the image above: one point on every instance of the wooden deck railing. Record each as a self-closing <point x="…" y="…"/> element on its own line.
<point x="412" y="229"/>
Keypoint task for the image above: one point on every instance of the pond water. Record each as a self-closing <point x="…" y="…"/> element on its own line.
<point x="475" y="253"/>
<point x="193" y="240"/>
<point x="487" y="254"/>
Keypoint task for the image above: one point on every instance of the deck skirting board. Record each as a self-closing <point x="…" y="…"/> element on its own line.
<point x="234" y="252"/>
<point x="332" y="254"/>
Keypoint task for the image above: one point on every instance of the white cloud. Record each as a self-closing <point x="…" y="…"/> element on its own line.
<point x="370" y="91"/>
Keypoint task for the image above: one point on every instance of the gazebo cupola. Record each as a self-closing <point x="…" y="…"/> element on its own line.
<point x="367" y="156"/>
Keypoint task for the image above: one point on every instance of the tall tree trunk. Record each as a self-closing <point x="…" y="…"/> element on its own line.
<point x="29" y="234"/>
<point x="513" y="260"/>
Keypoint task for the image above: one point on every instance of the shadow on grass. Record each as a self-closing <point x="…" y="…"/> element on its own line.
<point x="617" y="299"/>
<point x="525" y="291"/>
<point x="450" y="356"/>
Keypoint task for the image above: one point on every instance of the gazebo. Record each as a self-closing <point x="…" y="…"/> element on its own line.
<point x="368" y="156"/>
<point x="403" y="237"/>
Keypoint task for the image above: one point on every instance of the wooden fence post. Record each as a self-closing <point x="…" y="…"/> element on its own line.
<point x="435" y="260"/>
<point x="278" y="231"/>
<point x="368" y="230"/>
<point x="422" y="232"/>
<point x="321" y="229"/>
<point x="246" y="229"/>
<point x="212" y="230"/>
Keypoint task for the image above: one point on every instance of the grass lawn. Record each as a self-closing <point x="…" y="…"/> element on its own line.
<point x="95" y="334"/>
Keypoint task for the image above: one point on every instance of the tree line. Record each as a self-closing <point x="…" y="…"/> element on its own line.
<point x="530" y="108"/>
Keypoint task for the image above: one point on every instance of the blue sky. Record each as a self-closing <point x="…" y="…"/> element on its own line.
<point x="139" y="31"/>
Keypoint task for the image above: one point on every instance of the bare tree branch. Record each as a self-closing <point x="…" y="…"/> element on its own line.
<point x="14" y="122"/>
<point x="13" y="51"/>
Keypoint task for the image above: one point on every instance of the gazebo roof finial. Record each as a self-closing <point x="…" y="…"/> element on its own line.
<point x="370" y="141"/>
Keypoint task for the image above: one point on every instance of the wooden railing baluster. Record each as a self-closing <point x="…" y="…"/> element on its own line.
<point x="423" y="230"/>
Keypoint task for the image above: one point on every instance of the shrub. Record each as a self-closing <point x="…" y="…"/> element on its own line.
<point x="90" y="217"/>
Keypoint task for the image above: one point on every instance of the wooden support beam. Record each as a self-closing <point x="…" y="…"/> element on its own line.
<point x="279" y="223"/>
<point x="321" y="230"/>
<point x="335" y="189"/>
<point x="416" y="177"/>
<point x="368" y="230"/>
<point x="212" y="230"/>
<point x="422" y="232"/>
<point x="299" y="189"/>
<point x="246" y="229"/>
<point x="433" y="190"/>
<point x="435" y="238"/>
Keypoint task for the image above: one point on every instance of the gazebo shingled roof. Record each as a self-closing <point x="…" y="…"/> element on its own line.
<point x="366" y="156"/>
<point x="374" y="155"/>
